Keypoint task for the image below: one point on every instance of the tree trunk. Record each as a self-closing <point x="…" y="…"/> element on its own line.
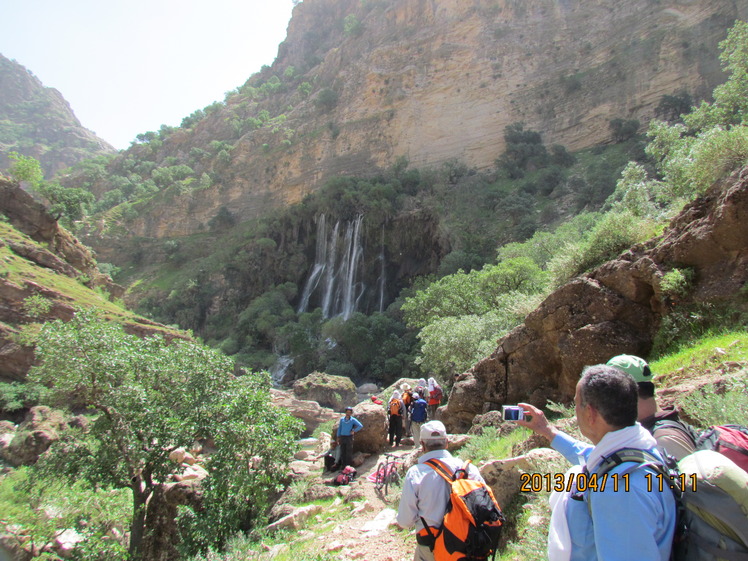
<point x="140" y="496"/>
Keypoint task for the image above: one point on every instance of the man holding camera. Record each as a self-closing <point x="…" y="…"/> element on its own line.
<point x="630" y="516"/>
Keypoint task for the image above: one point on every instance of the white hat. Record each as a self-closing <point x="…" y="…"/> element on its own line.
<point x="433" y="430"/>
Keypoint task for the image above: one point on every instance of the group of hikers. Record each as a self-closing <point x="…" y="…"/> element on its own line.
<point x="633" y="516"/>
<point x="409" y="408"/>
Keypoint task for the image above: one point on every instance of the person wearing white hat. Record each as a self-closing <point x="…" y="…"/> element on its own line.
<point x="425" y="494"/>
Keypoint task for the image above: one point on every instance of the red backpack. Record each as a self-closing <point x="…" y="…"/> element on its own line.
<point x="728" y="440"/>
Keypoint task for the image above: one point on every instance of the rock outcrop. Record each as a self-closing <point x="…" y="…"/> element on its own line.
<point x="614" y="309"/>
<point x="40" y="259"/>
<point x="334" y="392"/>
<point x="310" y="412"/>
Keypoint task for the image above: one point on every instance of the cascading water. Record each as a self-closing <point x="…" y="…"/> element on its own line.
<point x="336" y="275"/>
<point x="280" y="369"/>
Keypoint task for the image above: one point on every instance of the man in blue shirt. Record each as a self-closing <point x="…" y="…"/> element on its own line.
<point x="347" y="427"/>
<point x="631" y="516"/>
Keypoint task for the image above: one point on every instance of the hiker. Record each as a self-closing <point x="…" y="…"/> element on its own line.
<point x="395" y="414"/>
<point x="421" y="388"/>
<point x="347" y="427"/>
<point x="672" y="435"/>
<point x="435" y="397"/>
<point x="418" y="416"/>
<point x="625" y="518"/>
<point x="425" y="494"/>
<point x="407" y="395"/>
<point x="331" y="457"/>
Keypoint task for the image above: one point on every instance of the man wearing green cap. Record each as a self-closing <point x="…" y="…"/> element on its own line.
<point x="672" y="435"/>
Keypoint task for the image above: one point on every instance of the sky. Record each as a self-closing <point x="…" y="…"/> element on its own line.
<point x="129" y="66"/>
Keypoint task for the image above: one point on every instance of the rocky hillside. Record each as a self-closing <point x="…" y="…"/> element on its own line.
<point x="36" y="121"/>
<point x="357" y="86"/>
<point x="615" y="309"/>
<point x="45" y="273"/>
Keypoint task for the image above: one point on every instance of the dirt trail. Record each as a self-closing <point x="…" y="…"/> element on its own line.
<point x="365" y="535"/>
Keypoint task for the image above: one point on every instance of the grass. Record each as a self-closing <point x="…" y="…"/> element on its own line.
<point x="705" y="355"/>
<point x="489" y="445"/>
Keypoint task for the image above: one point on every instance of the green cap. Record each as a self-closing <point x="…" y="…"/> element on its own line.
<point x="633" y="365"/>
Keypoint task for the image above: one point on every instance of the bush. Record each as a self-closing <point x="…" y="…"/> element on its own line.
<point x="718" y="404"/>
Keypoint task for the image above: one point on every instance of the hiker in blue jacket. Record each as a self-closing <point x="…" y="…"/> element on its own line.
<point x="628" y="517"/>
<point x="347" y="427"/>
<point x="418" y="415"/>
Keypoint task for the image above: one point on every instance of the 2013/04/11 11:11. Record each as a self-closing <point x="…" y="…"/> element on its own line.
<point x="659" y="481"/>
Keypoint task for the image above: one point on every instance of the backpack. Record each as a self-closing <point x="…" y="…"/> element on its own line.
<point x="728" y="440"/>
<point x="346" y="475"/>
<point x="437" y="393"/>
<point x="407" y="397"/>
<point x="472" y="522"/>
<point x="418" y="414"/>
<point x="395" y="407"/>
<point x="711" y="494"/>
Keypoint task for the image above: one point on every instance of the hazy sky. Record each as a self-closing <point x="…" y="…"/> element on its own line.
<point x="129" y="66"/>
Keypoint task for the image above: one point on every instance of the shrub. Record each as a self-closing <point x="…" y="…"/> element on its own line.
<point x="718" y="404"/>
<point x="36" y="306"/>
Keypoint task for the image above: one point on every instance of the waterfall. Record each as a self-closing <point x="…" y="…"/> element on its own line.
<point x="382" y="280"/>
<point x="280" y="369"/>
<point x="352" y="291"/>
<point x="335" y="277"/>
<point x="320" y="260"/>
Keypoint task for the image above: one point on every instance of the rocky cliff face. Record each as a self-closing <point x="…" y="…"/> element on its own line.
<point x="613" y="310"/>
<point x="37" y="121"/>
<point x="357" y="85"/>
<point x="41" y="260"/>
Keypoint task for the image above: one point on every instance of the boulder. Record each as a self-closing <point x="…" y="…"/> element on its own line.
<point x="372" y="439"/>
<point x="505" y="476"/>
<point x="310" y="412"/>
<point x="335" y="392"/>
<point x="41" y="427"/>
<point x="296" y="519"/>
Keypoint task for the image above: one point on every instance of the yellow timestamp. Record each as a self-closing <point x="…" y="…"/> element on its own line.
<point x="681" y="481"/>
<point x="579" y="482"/>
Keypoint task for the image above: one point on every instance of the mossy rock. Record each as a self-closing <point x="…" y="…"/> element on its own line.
<point x="335" y="392"/>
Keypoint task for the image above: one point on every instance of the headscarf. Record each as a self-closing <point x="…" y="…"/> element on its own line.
<point x="432" y="385"/>
<point x="422" y="382"/>
<point x="395" y="395"/>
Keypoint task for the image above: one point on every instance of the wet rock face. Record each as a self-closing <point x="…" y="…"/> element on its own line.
<point x="613" y="310"/>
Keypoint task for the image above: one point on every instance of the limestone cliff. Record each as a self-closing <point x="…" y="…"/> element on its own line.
<point x="357" y="85"/>
<point x="615" y="309"/>
<point x="37" y="121"/>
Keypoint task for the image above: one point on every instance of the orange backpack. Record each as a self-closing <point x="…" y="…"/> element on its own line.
<point x="395" y="407"/>
<point x="472" y="523"/>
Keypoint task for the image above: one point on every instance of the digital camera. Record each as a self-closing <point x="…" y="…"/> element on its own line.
<point x="512" y="413"/>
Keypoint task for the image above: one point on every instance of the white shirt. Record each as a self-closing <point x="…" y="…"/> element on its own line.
<point x="425" y="493"/>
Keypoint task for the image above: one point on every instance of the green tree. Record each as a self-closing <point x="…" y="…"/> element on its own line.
<point x="25" y="168"/>
<point x="152" y="397"/>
